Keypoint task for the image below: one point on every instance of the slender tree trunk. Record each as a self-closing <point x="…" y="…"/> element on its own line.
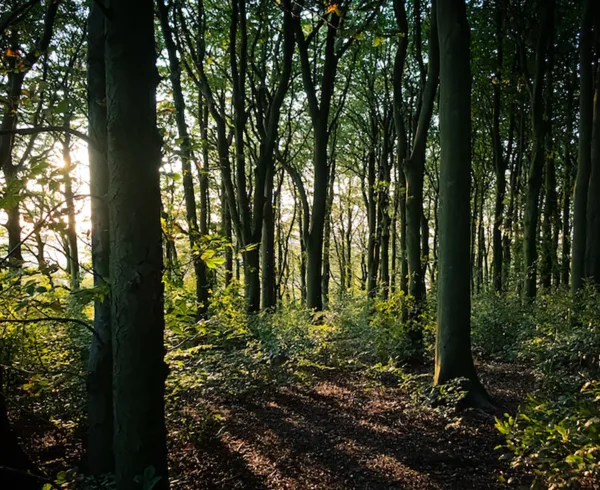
<point x="372" y="219"/>
<point x="348" y="241"/>
<point x="567" y="187"/>
<point x="205" y="278"/>
<point x="424" y="248"/>
<point x="187" y="158"/>
<point x="71" y="231"/>
<point x="134" y="158"/>
<point x="268" y="286"/>
<point x="384" y="203"/>
<point x="513" y="201"/>
<point x="499" y="160"/>
<point x="13" y="183"/>
<point x="586" y="103"/>
<point x="548" y="261"/>
<point x="592" y="250"/>
<point x="327" y="239"/>
<point x="534" y="180"/>
<point x="414" y="169"/>
<point x="473" y="240"/>
<point x="100" y="458"/>
<point x="302" y="257"/>
<point x="479" y="279"/>
<point x="453" y="342"/>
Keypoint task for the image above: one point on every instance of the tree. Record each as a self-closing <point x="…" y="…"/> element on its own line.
<point x="499" y="159"/>
<point x="453" y="357"/>
<point x="414" y="166"/>
<point x="137" y="314"/>
<point x="319" y="89"/>
<point x="584" y="153"/>
<point x="592" y="249"/>
<point x="18" y="67"/>
<point x="534" y="179"/>
<point x="99" y="381"/>
<point x="187" y="157"/>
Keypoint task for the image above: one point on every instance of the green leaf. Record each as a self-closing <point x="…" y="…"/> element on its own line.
<point x="378" y="40"/>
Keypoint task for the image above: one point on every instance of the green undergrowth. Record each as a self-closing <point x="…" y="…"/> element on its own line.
<point x="233" y="351"/>
<point x="555" y="436"/>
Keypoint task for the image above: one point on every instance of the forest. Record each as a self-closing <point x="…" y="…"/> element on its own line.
<point x="299" y="244"/>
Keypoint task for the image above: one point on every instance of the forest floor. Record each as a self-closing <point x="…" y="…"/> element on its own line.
<point x="323" y="428"/>
<point x="348" y="430"/>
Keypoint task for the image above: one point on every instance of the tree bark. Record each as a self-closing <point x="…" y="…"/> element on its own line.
<point x="187" y="158"/>
<point x="453" y="357"/>
<point x="534" y="179"/>
<point x="100" y="458"/>
<point x="134" y="158"/>
<point x="586" y="103"/>
<point x="15" y="79"/>
<point x="592" y="250"/>
<point x="499" y="160"/>
<point x="414" y="170"/>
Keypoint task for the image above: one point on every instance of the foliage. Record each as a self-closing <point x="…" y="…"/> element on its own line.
<point x="559" y="439"/>
<point x="500" y="323"/>
<point x="557" y="432"/>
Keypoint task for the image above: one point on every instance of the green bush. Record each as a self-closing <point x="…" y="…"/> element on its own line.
<point x="559" y="439"/>
<point x="556" y="433"/>
<point x="500" y="324"/>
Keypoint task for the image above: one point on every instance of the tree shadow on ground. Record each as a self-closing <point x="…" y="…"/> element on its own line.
<point x="345" y="432"/>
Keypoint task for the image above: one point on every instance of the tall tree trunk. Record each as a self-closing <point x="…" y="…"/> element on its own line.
<point x="100" y="458"/>
<point x="384" y="203"/>
<point x="71" y="231"/>
<point x="348" y="241"/>
<point x="479" y="279"/>
<point x="592" y="249"/>
<point x="414" y="170"/>
<point x="515" y="175"/>
<point x="586" y="103"/>
<point x="424" y="247"/>
<point x="327" y="238"/>
<point x="268" y="288"/>
<point x="534" y="179"/>
<point x="205" y="278"/>
<point x="548" y="261"/>
<point x="499" y="160"/>
<point x="372" y="217"/>
<point x="134" y="159"/>
<point x="302" y="258"/>
<point x="453" y="357"/>
<point x="10" y="170"/>
<point x="473" y="240"/>
<point x="187" y="158"/>
<point x="400" y="127"/>
<point x="567" y="185"/>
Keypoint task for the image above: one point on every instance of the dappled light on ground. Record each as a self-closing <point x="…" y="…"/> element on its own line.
<point x="345" y="431"/>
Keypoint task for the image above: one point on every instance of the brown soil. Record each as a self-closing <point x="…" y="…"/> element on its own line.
<point x="344" y="431"/>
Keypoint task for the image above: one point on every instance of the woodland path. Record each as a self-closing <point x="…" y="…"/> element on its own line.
<point x="348" y="431"/>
